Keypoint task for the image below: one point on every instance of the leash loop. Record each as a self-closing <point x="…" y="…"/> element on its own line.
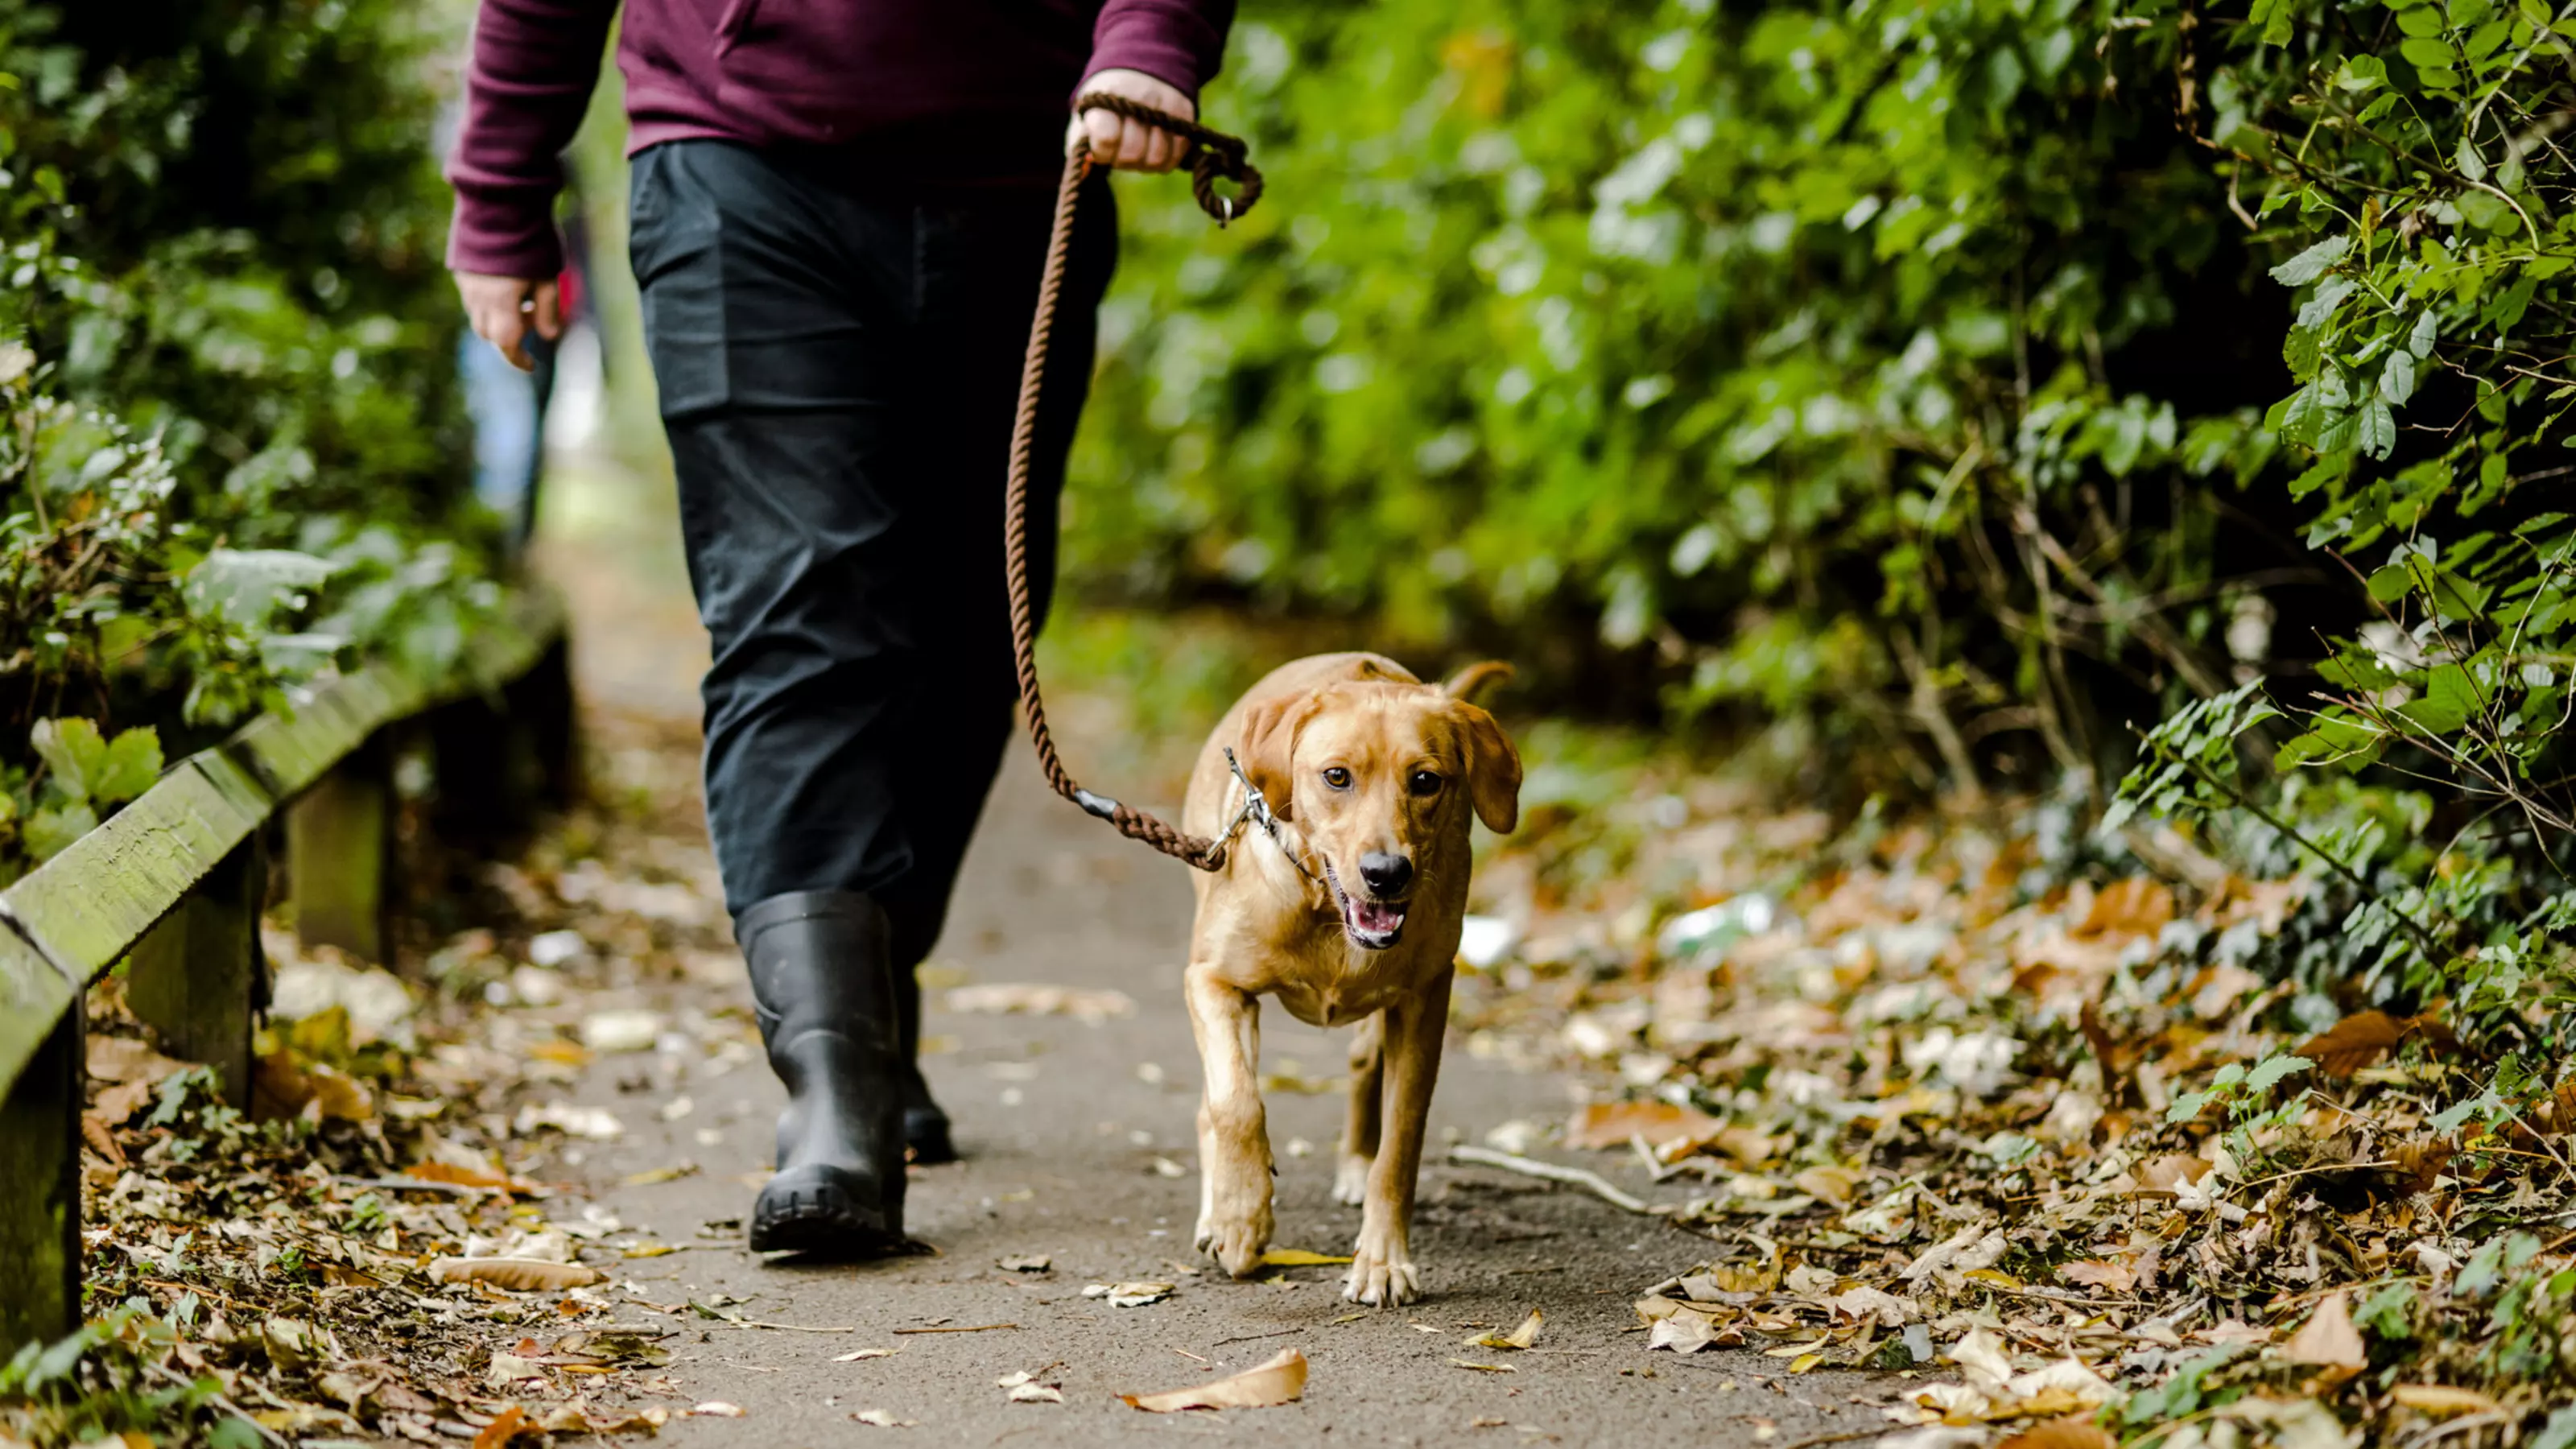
<point x="1213" y="157"/>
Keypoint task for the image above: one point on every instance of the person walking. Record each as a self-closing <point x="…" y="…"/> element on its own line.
<point x="839" y="214"/>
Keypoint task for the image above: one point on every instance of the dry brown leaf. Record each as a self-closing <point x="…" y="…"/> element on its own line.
<point x="2329" y="1340"/>
<point x="2441" y="1399"/>
<point x="2421" y="1161"/>
<point x="95" y="1131"/>
<point x="117" y="1105"/>
<point x="2354" y="1042"/>
<point x="2075" y="1431"/>
<point x="2172" y="1170"/>
<point x="2138" y="906"/>
<point x="523" y="1275"/>
<point x="2099" y="1273"/>
<point x="1834" y="1184"/>
<point x="1611" y="1124"/>
<point x="125" y="1059"/>
<point x="1281" y="1380"/>
<point x="449" y="1172"/>
<point x="504" y="1427"/>
<point x="1299" y="1258"/>
<point x="1521" y="1337"/>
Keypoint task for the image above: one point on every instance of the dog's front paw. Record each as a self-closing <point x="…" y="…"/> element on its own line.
<point x="1236" y="1242"/>
<point x="1381" y="1275"/>
<point x="1350" y="1182"/>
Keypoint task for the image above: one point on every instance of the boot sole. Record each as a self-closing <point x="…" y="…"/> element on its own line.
<point x="821" y="1219"/>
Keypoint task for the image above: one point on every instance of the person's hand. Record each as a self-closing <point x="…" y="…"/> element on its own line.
<point x="501" y="310"/>
<point x="1132" y="145"/>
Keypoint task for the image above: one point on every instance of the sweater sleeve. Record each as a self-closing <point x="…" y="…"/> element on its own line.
<point x="1181" y="42"/>
<point x="528" y="83"/>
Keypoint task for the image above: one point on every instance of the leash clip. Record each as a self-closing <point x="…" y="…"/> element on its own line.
<point x="1100" y="805"/>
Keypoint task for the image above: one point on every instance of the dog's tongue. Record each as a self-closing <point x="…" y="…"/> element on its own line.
<point x="1376" y="916"/>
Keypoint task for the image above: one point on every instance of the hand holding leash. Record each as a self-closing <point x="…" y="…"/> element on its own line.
<point x="1212" y="157"/>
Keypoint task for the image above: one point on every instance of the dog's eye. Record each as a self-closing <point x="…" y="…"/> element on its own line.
<point x="1424" y="783"/>
<point x="1338" y="778"/>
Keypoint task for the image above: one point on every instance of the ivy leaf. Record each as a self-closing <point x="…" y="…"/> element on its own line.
<point x="2471" y="164"/>
<point x="2449" y="699"/>
<point x="49" y="832"/>
<point x="2377" y="430"/>
<point x="74" y="753"/>
<point x="247" y="587"/>
<point x="2311" y="264"/>
<point x="2269" y="1072"/>
<point x="2420" y="341"/>
<point x="2397" y="378"/>
<point x="131" y="764"/>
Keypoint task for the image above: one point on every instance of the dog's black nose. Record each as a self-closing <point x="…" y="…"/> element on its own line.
<point x="1387" y="875"/>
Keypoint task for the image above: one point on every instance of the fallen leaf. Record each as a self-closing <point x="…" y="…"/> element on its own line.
<point x="856" y="1354"/>
<point x="523" y="1275"/>
<point x="2138" y="906"/>
<point x="1298" y="1258"/>
<point x="1611" y="1124"/>
<point x="1485" y="1368"/>
<point x="1024" y="1388"/>
<point x="883" y="1420"/>
<point x="1027" y="1263"/>
<point x="1280" y="1380"/>
<point x="2355" y="1042"/>
<point x="1834" y="1184"/>
<point x="449" y="1172"/>
<point x="717" y="1409"/>
<point x="2442" y="1399"/>
<point x="117" y="1105"/>
<point x="1521" y="1337"/>
<point x="1129" y="1295"/>
<point x="2075" y="1431"/>
<point x="504" y="1427"/>
<point x="2329" y="1340"/>
<point x="124" y="1059"/>
<point x="2099" y="1273"/>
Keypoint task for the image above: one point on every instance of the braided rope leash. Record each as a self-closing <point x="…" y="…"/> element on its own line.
<point x="1213" y="156"/>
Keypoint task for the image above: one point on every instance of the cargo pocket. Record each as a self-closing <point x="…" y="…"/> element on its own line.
<point x="678" y="258"/>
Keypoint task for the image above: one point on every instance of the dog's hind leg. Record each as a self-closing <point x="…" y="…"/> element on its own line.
<point x="1382" y="1273"/>
<point x="1234" y="1135"/>
<point x="1360" y="1124"/>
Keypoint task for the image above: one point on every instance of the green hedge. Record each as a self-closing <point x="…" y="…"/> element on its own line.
<point x="1903" y="364"/>
<point x="235" y="451"/>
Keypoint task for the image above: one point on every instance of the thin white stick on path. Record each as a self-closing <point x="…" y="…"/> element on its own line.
<point x="1591" y="1182"/>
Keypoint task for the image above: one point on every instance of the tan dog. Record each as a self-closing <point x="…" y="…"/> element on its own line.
<point x="1349" y="911"/>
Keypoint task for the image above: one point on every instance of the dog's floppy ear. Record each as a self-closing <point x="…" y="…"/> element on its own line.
<point x="1269" y="740"/>
<point x="1493" y="768"/>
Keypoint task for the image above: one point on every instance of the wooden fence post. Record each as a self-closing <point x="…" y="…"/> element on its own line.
<point x="339" y="843"/>
<point x="198" y="978"/>
<point x="40" y="1244"/>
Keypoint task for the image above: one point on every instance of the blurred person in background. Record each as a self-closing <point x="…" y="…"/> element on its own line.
<point x="839" y="214"/>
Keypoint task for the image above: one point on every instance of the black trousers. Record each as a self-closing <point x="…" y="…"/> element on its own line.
<point x="839" y="363"/>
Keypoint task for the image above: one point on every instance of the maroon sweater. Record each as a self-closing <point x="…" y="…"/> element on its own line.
<point x="964" y="91"/>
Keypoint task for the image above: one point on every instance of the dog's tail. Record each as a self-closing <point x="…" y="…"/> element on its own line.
<point x="1467" y="682"/>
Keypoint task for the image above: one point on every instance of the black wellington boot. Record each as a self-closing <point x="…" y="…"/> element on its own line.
<point x="925" y="1126"/>
<point x="825" y="988"/>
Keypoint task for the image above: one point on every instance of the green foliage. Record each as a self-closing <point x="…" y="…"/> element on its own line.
<point x="114" y="1376"/>
<point x="230" y="436"/>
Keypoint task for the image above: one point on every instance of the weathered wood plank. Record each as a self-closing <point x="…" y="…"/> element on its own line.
<point x="196" y="978"/>
<point x="40" y="1246"/>
<point x="339" y="844"/>
<point x="93" y="901"/>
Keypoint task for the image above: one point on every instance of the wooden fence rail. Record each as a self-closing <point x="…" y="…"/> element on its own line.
<point x="174" y="885"/>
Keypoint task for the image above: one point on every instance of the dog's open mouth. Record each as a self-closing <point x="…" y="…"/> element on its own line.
<point x="1373" y="924"/>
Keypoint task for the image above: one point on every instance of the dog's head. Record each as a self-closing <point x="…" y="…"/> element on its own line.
<point x="1379" y="777"/>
